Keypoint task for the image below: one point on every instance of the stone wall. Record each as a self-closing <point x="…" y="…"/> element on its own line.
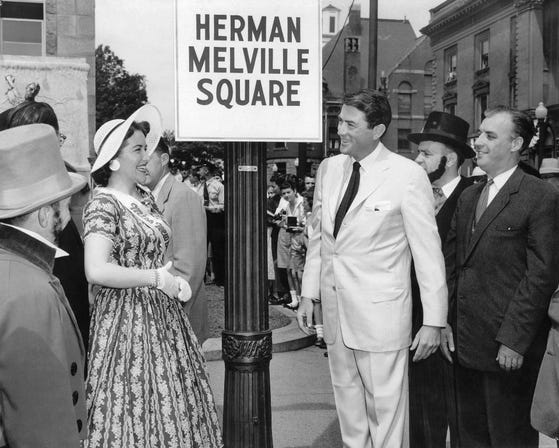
<point x="64" y="86"/>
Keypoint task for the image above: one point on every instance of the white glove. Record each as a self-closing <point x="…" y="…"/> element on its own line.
<point x="185" y="292"/>
<point x="166" y="282"/>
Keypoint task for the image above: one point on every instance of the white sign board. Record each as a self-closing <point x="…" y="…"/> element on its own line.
<point x="248" y="70"/>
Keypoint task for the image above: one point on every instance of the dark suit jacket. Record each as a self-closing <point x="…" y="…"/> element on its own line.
<point x="501" y="276"/>
<point x="183" y="210"/>
<point x="71" y="273"/>
<point x="444" y="219"/>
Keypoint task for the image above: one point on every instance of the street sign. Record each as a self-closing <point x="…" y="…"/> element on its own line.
<point x="248" y="70"/>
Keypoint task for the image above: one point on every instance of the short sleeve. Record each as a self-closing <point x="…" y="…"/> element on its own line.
<point x="100" y="217"/>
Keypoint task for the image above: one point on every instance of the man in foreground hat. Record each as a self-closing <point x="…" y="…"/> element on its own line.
<point x="42" y="399"/>
<point x="184" y="212"/>
<point x="442" y="150"/>
<point x="502" y="256"/>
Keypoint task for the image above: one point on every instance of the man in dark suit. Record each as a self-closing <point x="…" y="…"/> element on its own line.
<point x="502" y="257"/>
<point x="442" y="150"/>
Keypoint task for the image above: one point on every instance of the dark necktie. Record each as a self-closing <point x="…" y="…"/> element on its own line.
<point x="349" y="195"/>
<point x="440" y="198"/>
<point x="482" y="202"/>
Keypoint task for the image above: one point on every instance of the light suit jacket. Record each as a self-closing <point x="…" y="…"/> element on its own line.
<point x="183" y="210"/>
<point x="363" y="276"/>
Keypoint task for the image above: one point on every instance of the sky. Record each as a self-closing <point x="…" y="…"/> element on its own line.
<point x="141" y="33"/>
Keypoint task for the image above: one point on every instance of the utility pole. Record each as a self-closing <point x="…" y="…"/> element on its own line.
<point x="373" y="40"/>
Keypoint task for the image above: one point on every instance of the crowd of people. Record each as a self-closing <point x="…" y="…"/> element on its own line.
<point x="379" y="256"/>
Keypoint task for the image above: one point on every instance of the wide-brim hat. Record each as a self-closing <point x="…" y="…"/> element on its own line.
<point x="448" y="129"/>
<point x="549" y="166"/>
<point x="32" y="172"/>
<point x="110" y="136"/>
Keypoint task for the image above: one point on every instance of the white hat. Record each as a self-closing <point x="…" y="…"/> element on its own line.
<point x="109" y="137"/>
<point x="549" y="166"/>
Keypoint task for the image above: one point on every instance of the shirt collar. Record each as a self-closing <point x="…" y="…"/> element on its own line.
<point x="449" y="187"/>
<point x="159" y="186"/>
<point x="501" y="179"/>
<point x="58" y="252"/>
<point x="368" y="162"/>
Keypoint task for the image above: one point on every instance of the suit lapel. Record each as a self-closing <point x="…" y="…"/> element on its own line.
<point x="373" y="179"/>
<point x="497" y="205"/>
<point x="163" y="196"/>
<point x="335" y="178"/>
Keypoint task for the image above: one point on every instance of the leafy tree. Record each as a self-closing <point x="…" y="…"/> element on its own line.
<point x="118" y="93"/>
<point x="193" y="153"/>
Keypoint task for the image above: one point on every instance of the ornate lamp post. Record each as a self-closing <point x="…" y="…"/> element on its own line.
<point x="543" y="127"/>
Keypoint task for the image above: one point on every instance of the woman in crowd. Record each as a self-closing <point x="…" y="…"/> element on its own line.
<point x="289" y="209"/>
<point x="147" y="380"/>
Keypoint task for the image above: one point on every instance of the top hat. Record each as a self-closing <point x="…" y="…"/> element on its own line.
<point x="109" y="136"/>
<point x="32" y="172"/>
<point x="448" y="129"/>
<point x="549" y="166"/>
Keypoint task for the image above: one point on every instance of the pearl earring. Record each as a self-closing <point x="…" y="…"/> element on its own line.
<point x="114" y="165"/>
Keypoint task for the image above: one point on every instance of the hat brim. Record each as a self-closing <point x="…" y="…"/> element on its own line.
<point x="113" y="142"/>
<point x="549" y="171"/>
<point x="78" y="182"/>
<point x="462" y="148"/>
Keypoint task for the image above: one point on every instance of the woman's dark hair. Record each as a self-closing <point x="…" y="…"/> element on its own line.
<point x="30" y="112"/>
<point x="102" y="175"/>
<point x="289" y="184"/>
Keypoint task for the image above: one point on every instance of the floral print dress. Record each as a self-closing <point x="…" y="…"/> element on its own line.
<point x="147" y="382"/>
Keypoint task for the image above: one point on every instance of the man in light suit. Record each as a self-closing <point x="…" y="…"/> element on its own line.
<point x="373" y="210"/>
<point x="183" y="210"/>
<point x="502" y="257"/>
<point x="442" y="150"/>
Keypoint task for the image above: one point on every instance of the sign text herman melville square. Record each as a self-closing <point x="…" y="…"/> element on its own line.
<point x="248" y="70"/>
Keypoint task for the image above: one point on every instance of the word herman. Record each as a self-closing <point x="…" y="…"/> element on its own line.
<point x="252" y="60"/>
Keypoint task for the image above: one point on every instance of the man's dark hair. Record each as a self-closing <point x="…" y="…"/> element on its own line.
<point x="278" y="179"/>
<point x="30" y="112"/>
<point x="522" y="124"/>
<point x="162" y="147"/>
<point x="289" y="184"/>
<point x="373" y="104"/>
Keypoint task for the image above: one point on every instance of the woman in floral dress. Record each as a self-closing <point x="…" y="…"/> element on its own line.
<point x="147" y="383"/>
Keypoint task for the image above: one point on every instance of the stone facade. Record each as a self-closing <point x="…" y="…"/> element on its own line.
<point x="65" y="72"/>
<point x="63" y="84"/>
<point x="523" y="56"/>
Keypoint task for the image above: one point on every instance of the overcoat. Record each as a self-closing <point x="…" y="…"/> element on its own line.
<point x="42" y="396"/>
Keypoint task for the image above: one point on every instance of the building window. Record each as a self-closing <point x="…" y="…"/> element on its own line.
<point x="482" y="50"/>
<point x="428" y="88"/>
<point x="404" y="99"/>
<point x="450" y="108"/>
<point x="480" y="108"/>
<point x="280" y="146"/>
<point x="282" y="167"/>
<point x="450" y="63"/>
<point x="332" y="25"/>
<point x="22" y="28"/>
<point x="403" y="142"/>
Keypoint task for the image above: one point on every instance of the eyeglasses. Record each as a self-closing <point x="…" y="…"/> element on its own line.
<point x="61" y="138"/>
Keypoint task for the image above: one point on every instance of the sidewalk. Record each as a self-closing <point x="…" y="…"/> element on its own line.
<point x="303" y="408"/>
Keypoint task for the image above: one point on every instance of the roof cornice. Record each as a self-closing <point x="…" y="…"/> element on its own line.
<point x="452" y="17"/>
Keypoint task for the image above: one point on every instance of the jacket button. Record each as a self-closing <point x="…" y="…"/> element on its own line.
<point x="73" y="369"/>
<point x="79" y="422"/>
<point x="75" y="396"/>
